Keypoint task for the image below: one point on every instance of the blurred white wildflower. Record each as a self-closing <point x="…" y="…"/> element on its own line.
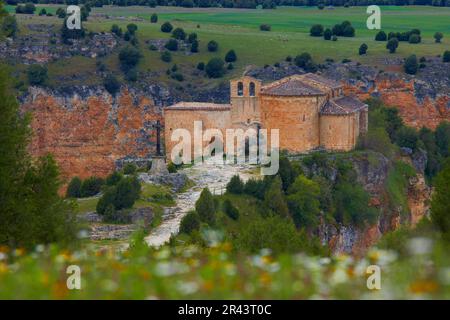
<point x="40" y="248"/>
<point x="83" y="234"/>
<point x="187" y="287"/>
<point x="339" y="276"/>
<point x="166" y="269"/>
<point x="109" y="285"/>
<point x="420" y="245"/>
<point x="212" y="237"/>
<point x="162" y="254"/>
<point x="324" y="261"/>
<point x="3" y="256"/>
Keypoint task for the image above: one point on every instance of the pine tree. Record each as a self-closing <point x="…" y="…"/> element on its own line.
<point x="206" y="207"/>
<point x="274" y="198"/>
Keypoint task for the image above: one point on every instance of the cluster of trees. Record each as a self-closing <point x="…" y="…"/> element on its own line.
<point x="412" y="36"/>
<point x="31" y="211"/>
<point x="28" y="8"/>
<point x="387" y="133"/>
<point x="251" y="4"/>
<point x="344" y="29"/>
<point x="305" y="61"/>
<point x="37" y="74"/>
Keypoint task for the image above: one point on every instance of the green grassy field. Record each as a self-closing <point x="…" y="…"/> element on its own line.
<point x="239" y="30"/>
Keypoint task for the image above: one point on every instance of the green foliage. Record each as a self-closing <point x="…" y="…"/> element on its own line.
<point x="194" y="46"/>
<point x="166" y="56"/>
<point x="8" y="26"/>
<point x="438" y="37"/>
<point x="132" y="28"/>
<point x="392" y="45"/>
<point x="116" y="30"/>
<point x="440" y="203"/>
<point x="377" y="139"/>
<point x="274" y="198"/>
<point x="129" y="168"/>
<point x="363" y="49"/>
<point x="201" y="66"/>
<point x="443" y="138"/>
<point x="112" y="85"/>
<point x="230" y="210"/>
<point x="276" y="233"/>
<point x="74" y="188"/>
<point x="265" y="27"/>
<point x="129" y="57"/>
<point x="91" y="186"/>
<point x="407" y="137"/>
<point x="154" y="18"/>
<point x="206" y="207"/>
<point x="287" y="172"/>
<point x="381" y="36"/>
<point x="327" y="34"/>
<point x="303" y="201"/>
<point x="37" y="74"/>
<point x="255" y="188"/>
<point x="192" y="37"/>
<point x="171" y="45"/>
<point x="230" y="56"/>
<point x="179" y="34"/>
<point x="166" y="27"/>
<point x="215" y="68"/>
<point x="235" y="186"/>
<point x="316" y="30"/>
<point x="114" y="178"/>
<point x="171" y="167"/>
<point x="306" y="62"/>
<point x="213" y="46"/>
<point x="121" y="196"/>
<point x="28" y="8"/>
<point x="446" y="56"/>
<point x="397" y="185"/>
<point x="414" y="38"/>
<point x="190" y="223"/>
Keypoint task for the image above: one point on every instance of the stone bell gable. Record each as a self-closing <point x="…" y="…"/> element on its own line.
<point x="309" y="111"/>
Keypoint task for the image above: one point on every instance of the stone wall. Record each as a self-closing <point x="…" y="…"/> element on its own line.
<point x="339" y="132"/>
<point x="297" y="118"/>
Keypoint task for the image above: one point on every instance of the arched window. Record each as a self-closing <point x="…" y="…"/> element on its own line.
<point x="240" y="89"/>
<point x="252" y="89"/>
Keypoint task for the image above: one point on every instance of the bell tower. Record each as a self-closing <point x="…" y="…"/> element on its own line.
<point x="244" y="96"/>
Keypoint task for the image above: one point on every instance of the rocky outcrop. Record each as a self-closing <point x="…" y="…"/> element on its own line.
<point x="88" y="130"/>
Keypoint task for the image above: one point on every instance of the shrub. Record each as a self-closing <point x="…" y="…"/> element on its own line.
<point x="392" y="45"/>
<point x="327" y="34"/>
<point x="192" y="37"/>
<point x="201" y="66"/>
<point x="179" y="34"/>
<point x="132" y="28"/>
<point x="37" y="74"/>
<point x="171" y="45"/>
<point x="129" y="57"/>
<point x="154" y="18"/>
<point x="206" y="207"/>
<point x="177" y="76"/>
<point x="316" y="30"/>
<point x="446" y="56"/>
<point x="407" y="137"/>
<point x="303" y="202"/>
<point x="302" y="59"/>
<point x="127" y="192"/>
<point x="112" y="85"/>
<point x="91" y="186"/>
<point x="320" y="6"/>
<point x="230" y="210"/>
<point x="190" y="222"/>
<point x="153" y="47"/>
<point x="274" y="198"/>
<point x="265" y="27"/>
<point x="411" y="64"/>
<point x="230" y="56"/>
<point x="363" y="49"/>
<point x="28" y="8"/>
<point x="381" y="36"/>
<point x="116" y="30"/>
<point x="213" y="46"/>
<point x="438" y="37"/>
<point x="194" y="46"/>
<point x="440" y="202"/>
<point x="348" y="31"/>
<point x="43" y="12"/>
<point x="166" y="56"/>
<point x="171" y="167"/>
<point x="131" y="74"/>
<point x="74" y="188"/>
<point x="166" y="27"/>
<point x="235" y="186"/>
<point x="61" y="13"/>
<point x="414" y="38"/>
<point x="9" y="26"/>
<point x="114" y="178"/>
<point x="230" y="66"/>
<point x="334" y="38"/>
<point x="129" y="168"/>
<point x="215" y="68"/>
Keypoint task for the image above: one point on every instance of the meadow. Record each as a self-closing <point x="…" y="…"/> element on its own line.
<point x="239" y="30"/>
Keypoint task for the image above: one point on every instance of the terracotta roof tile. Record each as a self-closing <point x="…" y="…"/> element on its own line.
<point x="342" y="106"/>
<point x="198" y="106"/>
<point x="291" y="87"/>
<point x="325" y="81"/>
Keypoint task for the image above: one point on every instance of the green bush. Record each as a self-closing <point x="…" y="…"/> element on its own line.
<point x="230" y="210"/>
<point x="166" y="27"/>
<point x="190" y="223"/>
<point x="327" y="34"/>
<point x="316" y="30"/>
<point x="179" y="34"/>
<point x="166" y="56"/>
<point x="194" y="46"/>
<point x="192" y="37"/>
<point x="303" y="201"/>
<point x="74" y="188"/>
<point x="171" y="45"/>
<point x="154" y="18"/>
<point x="112" y="85"/>
<point x="274" y="198"/>
<point x="37" y="74"/>
<point x="121" y="196"/>
<point x="132" y="28"/>
<point x="414" y="38"/>
<point x="230" y="56"/>
<point x="265" y="27"/>
<point x="201" y="66"/>
<point x="91" y="186"/>
<point x="411" y="65"/>
<point x="440" y="203"/>
<point x="116" y="30"/>
<point x="363" y="49"/>
<point x="446" y="56"/>
<point x="114" y="178"/>
<point x="392" y="45"/>
<point x="438" y="37"/>
<point x="129" y="168"/>
<point x="407" y="137"/>
<point x="215" y="68"/>
<point x="213" y="46"/>
<point x="129" y="57"/>
<point x="235" y="186"/>
<point x="9" y="27"/>
<point x="171" y="167"/>
<point x="206" y="207"/>
<point x="381" y="36"/>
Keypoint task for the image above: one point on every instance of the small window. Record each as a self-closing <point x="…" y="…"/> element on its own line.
<point x="240" y="89"/>
<point x="252" y="89"/>
<point x="304" y="117"/>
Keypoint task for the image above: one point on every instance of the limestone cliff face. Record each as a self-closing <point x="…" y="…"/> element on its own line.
<point x="88" y="134"/>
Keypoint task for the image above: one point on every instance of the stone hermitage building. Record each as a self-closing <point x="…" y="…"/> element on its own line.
<point x="309" y="110"/>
